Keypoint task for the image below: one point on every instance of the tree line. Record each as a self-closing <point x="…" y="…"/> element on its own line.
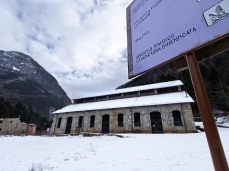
<point x="26" y="114"/>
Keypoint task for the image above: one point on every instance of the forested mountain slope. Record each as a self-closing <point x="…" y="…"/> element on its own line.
<point x="26" y="114"/>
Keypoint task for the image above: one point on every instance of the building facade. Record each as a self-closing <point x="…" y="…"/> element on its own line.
<point x="155" y="108"/>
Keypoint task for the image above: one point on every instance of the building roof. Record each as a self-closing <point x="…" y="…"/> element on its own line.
<point x="160" y="99"/>
<point x="133" y="89"/>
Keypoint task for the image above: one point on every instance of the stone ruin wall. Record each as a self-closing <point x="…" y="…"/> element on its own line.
<point x="12" y="126"/>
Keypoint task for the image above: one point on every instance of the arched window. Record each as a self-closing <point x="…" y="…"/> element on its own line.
<point x="137" y="120"/>
<point x="177" y="118"/>
<point x="80" y="121"/>
<point x="59" y="122"/>
<point x="120" y="119"/>
<point x="92" y="122"/>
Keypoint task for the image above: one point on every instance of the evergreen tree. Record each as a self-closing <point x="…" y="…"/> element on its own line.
<point x="7" y="110"/>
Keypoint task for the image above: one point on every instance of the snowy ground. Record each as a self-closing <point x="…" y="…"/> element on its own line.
<point x="139" y="152"/>
<point x="223" y="121"/>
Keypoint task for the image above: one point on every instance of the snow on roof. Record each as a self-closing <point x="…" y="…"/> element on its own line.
<point x="160" y="99"/>
<point x="133" y="89"/>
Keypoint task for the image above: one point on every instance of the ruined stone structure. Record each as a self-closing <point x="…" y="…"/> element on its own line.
<point x="155" y="108"/>
<point x="12" y="126"/>
<point x="31" y="129"/>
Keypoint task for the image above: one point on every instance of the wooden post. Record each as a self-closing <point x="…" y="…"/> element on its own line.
<point x="212" y="134"/>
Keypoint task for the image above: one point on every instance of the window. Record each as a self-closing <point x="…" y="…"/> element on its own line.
<point x="89" y="100"/>
<point x="144" y="93"/>
<point x="151" y="93"/>
<point x="137" y="121"/>
<point x="80" y="121"/>
<point x="120" y="119"/>
<point x="0" y="129"/>
<point x="92" y="122"/>
<point x="102" y="98"/>
<point x="134" y="95"/>
<point x="131" y="94"/>
<point x="179" y="88"/>
<point x="59" y="122"/>
<point x="77" y="101"/>
<point x="177" y="118"/>
<point x="117" y="96"/>
<point x="147" y="92"/>
<point x="164" y="90"/>
<point x="111" y="97"/>
<point x="126" y="95"/>
<point x="167" y="90"/>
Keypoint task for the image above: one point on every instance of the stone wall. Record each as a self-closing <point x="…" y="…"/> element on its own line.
<point x="128" y="120"/>
<point x="12" y="126"/>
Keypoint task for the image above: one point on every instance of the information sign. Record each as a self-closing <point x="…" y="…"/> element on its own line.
<point x="160" y="30"/>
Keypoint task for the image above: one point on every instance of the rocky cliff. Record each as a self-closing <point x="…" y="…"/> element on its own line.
<point x="22" y="78"/>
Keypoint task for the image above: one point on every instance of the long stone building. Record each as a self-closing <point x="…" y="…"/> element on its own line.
<point x="154" y="108"/>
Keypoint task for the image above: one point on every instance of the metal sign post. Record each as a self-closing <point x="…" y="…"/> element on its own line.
<point x="214" y="142"/>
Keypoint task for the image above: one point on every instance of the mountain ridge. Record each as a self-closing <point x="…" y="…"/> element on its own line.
<point x="22" y="78"/>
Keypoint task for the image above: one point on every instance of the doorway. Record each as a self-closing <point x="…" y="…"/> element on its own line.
<point x="105" y="124"/>
<point x="156" y="123"/>
<point x="68" y="125"/>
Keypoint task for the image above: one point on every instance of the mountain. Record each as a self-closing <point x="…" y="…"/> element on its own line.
<point x="215" y="73"/>
<point x="22" y="78"/>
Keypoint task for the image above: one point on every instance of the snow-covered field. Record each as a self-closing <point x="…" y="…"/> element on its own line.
<point x="223" y="121"/>
<point x="139" y="152"/>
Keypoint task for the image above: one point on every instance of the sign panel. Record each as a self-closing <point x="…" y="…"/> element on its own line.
<point x="160" y="30"/>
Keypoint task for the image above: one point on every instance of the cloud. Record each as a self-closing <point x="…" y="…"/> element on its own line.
<point x="81" y="43"/>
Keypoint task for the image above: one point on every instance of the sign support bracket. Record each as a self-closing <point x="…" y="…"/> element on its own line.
<point x="212" y="134"/>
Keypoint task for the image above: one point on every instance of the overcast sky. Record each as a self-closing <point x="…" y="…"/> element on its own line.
<point x="82" y="43"/>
